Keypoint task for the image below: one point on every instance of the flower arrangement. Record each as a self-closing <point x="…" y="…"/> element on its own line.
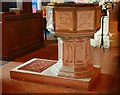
<point x="107" y="5"/>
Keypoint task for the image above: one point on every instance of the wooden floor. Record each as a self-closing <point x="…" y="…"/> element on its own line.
<point x="106" y="83"/>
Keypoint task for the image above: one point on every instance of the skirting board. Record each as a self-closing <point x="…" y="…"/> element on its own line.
<point x="50" y="76"/>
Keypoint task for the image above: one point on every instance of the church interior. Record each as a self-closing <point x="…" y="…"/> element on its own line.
<point x="59" y="46"/>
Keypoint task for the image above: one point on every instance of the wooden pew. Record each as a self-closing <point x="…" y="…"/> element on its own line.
<point x="21" y="34"/>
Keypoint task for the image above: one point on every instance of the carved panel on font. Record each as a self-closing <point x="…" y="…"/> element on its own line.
<point x="76" y="52"/>
<point x="85" y="20"/>
<point x="68" y="53"/>
<point x="64" y="20"/>
<point x="87" y="56"/>
<point x="80" y="51"/>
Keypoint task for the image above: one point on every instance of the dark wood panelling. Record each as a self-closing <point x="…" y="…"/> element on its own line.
<point x="21" y="34"/>
<point x="27" y="7"/>
<point x="6" y="5"/>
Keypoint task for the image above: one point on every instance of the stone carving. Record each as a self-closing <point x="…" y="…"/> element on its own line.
<point x="68" y="53"/>
<point x="75" y="25"/>
<point x="76" y="58"/>
<point x="85" y="22"/>
<point x="63" y="20"/>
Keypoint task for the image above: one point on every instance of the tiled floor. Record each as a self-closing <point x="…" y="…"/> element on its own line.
<point x="107" y="82"/>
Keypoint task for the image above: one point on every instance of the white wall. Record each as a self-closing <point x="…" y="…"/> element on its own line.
<point x="39" y="5"/>
<point x="97" y="36"/>
<point x="19" y="4"/>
